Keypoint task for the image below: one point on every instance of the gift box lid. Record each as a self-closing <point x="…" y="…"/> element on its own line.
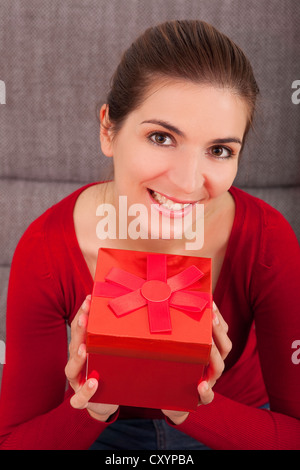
<point x="135" y="291"/>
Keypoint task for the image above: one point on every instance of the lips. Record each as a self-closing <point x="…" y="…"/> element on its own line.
<point x="170" y="206"/>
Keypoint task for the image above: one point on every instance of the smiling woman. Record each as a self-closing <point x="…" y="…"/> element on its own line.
<point x="174" y="124"/>
<point x="181" y="148"/>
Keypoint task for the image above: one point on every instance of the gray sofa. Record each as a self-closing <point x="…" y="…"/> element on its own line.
<point x="56" y="59"/>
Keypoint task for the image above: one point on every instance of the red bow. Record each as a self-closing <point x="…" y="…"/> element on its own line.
<point x="158" y="292"/>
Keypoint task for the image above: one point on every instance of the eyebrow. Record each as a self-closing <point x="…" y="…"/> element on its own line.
<point x="226" y="140"/>
<point x="177" y="131"/>
<point x="166" y="125"/>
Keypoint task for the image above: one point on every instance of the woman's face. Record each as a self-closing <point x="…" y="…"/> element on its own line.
<point x="180" y="148"/>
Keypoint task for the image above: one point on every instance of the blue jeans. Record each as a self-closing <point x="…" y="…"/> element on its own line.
<point x="144" y="434"/>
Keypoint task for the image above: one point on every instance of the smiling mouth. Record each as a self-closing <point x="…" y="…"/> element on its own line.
<point x="169" y="204"/>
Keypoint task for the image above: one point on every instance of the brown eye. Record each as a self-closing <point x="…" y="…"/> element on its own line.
<point x="161" y="139"/>
<point x="221" y="152"/>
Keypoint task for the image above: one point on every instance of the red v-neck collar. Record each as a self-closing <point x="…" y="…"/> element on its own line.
<point x="84" y="272"/>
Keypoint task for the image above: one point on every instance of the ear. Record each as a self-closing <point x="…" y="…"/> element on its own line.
<point x="106" y="135"/>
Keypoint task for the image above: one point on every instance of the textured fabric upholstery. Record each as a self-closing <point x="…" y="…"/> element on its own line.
<point x="56" y="59"/>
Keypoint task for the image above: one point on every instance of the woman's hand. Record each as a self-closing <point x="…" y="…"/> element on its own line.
<point x="220" y="349"/>
<point x="75" y="369"/>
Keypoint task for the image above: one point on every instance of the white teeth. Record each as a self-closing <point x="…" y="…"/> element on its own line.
<point x="167" y="203"/>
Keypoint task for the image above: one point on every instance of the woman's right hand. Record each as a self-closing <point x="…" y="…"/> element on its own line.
<point x="75" y="369"/>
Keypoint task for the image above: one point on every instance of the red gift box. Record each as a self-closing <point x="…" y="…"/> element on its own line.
<point x="149" y="333"/>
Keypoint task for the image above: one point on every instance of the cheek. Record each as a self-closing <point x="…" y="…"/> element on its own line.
<point x="135" y="161"/>
<point x="131" y="174"/>
<point x="222" y="179"/>
<point x="146" y="169"/>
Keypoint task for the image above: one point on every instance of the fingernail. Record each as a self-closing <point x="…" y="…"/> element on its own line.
<point x="216" y="319"/>
<point x="85" y="302"/>
<point x="204" y="386"/>
<point x="81" y="350"/>
<point x="215" y="308"/>
<point x="92" y="383"/>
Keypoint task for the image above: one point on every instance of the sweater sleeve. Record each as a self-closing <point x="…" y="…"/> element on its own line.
<point x="35" y="413"/>
<point x="275" y="291"/>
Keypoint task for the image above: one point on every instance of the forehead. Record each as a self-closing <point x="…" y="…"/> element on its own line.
<point x="193" y="107"/>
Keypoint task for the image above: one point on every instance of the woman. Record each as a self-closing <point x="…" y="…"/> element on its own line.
<point x="181" y="103"/>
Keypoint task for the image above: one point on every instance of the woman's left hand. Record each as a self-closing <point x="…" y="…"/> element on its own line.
<point x="221" y="347"/>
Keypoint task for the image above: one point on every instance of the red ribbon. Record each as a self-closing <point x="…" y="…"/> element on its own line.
<point x="131" y="292"/>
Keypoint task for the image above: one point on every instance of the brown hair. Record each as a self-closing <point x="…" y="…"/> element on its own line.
<point x="191" y="50"/>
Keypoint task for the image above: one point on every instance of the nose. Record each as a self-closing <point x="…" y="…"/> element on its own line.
<point x="188" y="173"/>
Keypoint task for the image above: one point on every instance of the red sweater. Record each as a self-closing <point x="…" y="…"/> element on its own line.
<point x="259" y="281"/>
